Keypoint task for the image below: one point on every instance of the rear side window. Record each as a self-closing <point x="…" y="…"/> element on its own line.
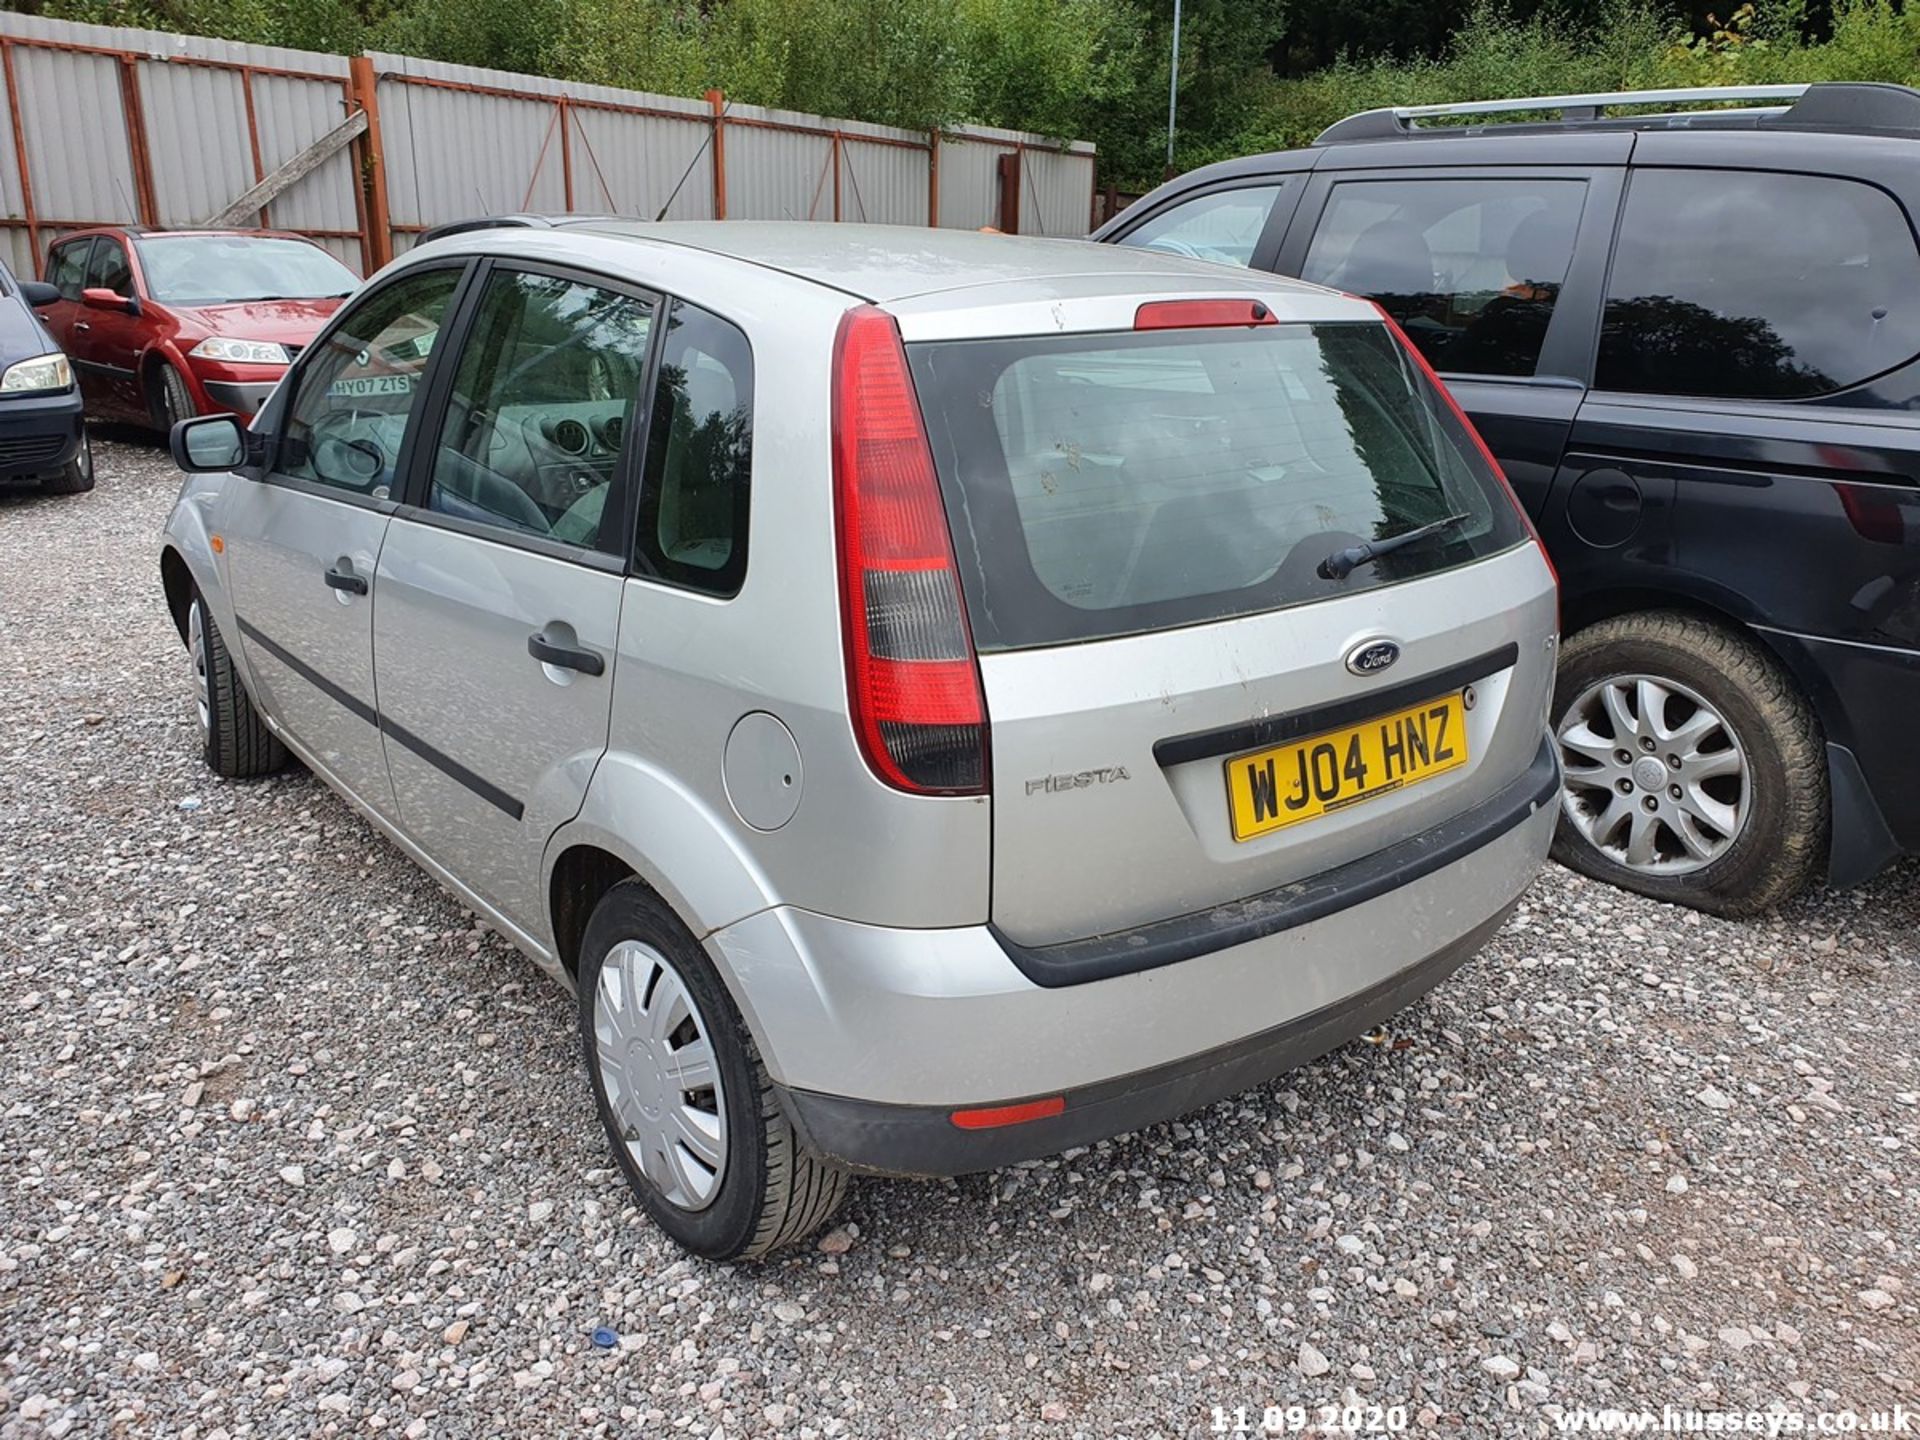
<point x="1747" y="285"/>
<point x="1224" y="226"/>
<point x="693" y="505"/>
<point x="1470" y="268"/>
<point x="1102" y="485"/>
<point x="67" y="268"/>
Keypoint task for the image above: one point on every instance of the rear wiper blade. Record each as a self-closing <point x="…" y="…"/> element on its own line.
<point x="1343" y="563"/>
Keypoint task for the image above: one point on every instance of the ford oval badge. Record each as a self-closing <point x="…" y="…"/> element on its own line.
<point x="1370" y="657"/>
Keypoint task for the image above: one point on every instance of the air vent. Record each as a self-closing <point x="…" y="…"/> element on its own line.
<point x="569" y="436"/>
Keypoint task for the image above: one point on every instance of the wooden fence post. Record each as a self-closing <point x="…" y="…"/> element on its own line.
<point x="717" y="102"/>
<point x="378" y="242"/>
<point x="933" y="178"/>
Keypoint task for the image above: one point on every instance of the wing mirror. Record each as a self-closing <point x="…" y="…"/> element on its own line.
<point x="38" y="293"/>
<point x="98" y="297"/>
<point x="213" y="444"/>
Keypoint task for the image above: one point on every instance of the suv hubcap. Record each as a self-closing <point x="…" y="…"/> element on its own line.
<point x="1656" y="777"/>
<point x="197" y="654"/>
<point x="658" y="1070"/>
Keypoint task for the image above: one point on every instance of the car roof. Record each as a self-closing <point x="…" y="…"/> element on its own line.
<point x="885" y="264"/>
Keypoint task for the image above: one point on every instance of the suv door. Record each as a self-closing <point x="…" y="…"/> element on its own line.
<point x="301" y="545"/>
<point x="1749" y="446"/>
<point x="1494" y="275"/>
<point x="500" y="578"/>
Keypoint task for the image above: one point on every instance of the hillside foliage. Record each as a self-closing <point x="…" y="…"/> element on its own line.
<point x="1254" y="74"/>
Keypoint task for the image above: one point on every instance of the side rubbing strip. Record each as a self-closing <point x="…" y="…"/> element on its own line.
<point x="453" y="769"/>
<point x="351" y="703"/>
<point x="344" y="698"/>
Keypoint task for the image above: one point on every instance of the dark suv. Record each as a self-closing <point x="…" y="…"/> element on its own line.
<point x="1693" y="340"/>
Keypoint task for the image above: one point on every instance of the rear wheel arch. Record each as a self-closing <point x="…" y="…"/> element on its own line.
<point x="581" y="877"/>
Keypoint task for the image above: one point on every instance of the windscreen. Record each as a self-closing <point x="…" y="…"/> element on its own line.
<point x="213" y="269"/>
<point x="1109" y="484"/>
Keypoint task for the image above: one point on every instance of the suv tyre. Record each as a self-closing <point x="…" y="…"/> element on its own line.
<point x="235" y="741"/>
<point x="689" y="1109"/>
<point x="1696" y="771"/>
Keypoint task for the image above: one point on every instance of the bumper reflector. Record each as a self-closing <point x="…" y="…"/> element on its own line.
<point x="995" y="1116"/>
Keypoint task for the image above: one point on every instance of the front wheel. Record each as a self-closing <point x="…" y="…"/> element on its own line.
<point x="692" y="1116"/>
<point x="234" y="740"/>
<point x="172" y="400"/>
<point x="1695" y="770"/>
<point x="76" y="476"/>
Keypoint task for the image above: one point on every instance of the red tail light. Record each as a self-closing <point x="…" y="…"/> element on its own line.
<point x="1479" y="441"/>
<point x="912" y="679"/>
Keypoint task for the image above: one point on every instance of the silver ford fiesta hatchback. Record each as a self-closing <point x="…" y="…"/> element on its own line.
<point x="938" y="698"/>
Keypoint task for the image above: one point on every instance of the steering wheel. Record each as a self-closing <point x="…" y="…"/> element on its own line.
<point x="344" y="458"/>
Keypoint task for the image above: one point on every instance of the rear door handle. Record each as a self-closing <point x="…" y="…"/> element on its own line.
<point x="346" y="580"/>
<point x="566" y="657"/>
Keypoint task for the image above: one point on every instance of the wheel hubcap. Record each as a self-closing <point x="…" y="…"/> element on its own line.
<point x="659" y="1074"/>
<point x="197" y="654"/>
<point x="1656" y="778"/>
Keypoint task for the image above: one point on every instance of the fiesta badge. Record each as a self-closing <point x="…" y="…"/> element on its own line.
<point x="1370" y="657"/>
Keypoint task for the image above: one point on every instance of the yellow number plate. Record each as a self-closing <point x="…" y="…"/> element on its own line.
<point x="1271" y="789"/>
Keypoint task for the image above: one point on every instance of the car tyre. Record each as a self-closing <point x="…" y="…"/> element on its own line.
<point x="76" y="476"/>
<point x="172" y="400"/>
<point x="1656" y="689"/>
<point x="235" y="740"/>
<point x="654" y="1015"/>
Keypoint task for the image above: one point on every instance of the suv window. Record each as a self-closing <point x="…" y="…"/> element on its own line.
<point x="108" y="269"/>
<point x="1748" y="285"/>
<point x="358" y="386"/>
<point x="1470" y="268"/>
<point x="540" y="407"/>
<point x="693" y="508"/>
<point x="67" y="267"/>
<point x="1224" y="226"/>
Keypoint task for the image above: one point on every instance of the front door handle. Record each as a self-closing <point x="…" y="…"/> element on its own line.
<point x="81" y="325"/>
<point x="566" y="657"/>
<point x="346" y="580"/>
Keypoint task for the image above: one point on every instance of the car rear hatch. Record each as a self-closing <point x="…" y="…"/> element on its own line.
<point x="1200" y="686"/>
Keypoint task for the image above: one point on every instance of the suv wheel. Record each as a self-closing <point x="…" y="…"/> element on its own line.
<point x="234" y="740"/>
<point x="1695" y="771"/>
<point x="76" y="476"/>
<point x="688" y="1106"/>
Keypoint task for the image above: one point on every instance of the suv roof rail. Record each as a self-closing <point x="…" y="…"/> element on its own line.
<point x="1855" y="106"/>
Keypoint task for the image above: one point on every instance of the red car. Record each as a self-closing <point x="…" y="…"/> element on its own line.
<point x="161" y="325"/>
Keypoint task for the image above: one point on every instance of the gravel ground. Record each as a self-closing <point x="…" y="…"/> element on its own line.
<point x="293" y="1146"/>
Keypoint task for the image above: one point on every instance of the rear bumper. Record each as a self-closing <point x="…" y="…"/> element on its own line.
<point x="38" y="433"/>
<point x="853" y="1020"/>
<point x="923" y="1140"/>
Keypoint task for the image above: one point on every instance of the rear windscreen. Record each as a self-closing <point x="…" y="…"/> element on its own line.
<point x="1109" y="484"/>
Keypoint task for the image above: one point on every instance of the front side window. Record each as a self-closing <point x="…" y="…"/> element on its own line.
<point x="1470" y="268"/>
<point x="693" y="504"/>
<point x="1109" y="484"/>
<point x="108" y="269"/>
<point x="358" y="387"/>
<point x="67" y="268"/>
<point x="1224" y="226"/>
<point x="1748" y="285"/>
<point x="221" y="269"/>
<point x="541" y="405"/>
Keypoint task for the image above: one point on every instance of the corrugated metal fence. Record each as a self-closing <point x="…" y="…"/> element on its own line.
<point x="117" y="126"/>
